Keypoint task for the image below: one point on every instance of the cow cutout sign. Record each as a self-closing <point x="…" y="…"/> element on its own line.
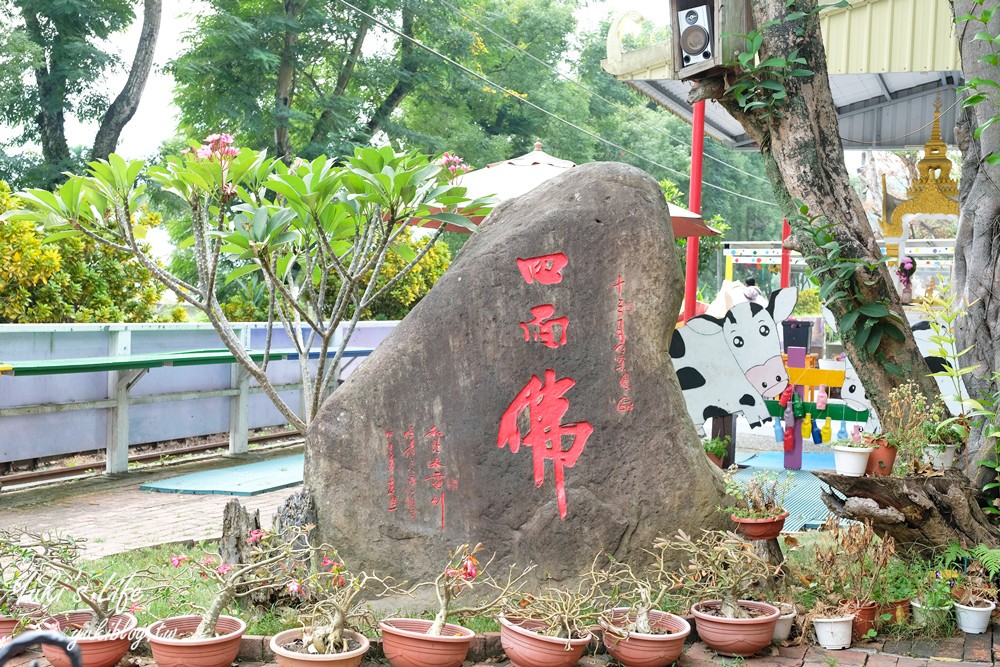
<point x="733" y="364"/>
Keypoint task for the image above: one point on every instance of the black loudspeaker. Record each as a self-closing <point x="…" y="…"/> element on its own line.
<point x="696" y="40"/>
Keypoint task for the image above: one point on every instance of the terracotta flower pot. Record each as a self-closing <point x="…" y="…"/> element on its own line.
<point x="20" y="616"/>
<point x="898" y="610"/>
<point x="741" y="637"/>
<point x="714" y="459"/>
<point x="636" y="649"/>
<point x="406" y="643"/>
<point x="530" y="649"/>
<point x="170" y="648"/>
<point x="882" y="458"/>
<point x="286" y="658"/>
<point x="865" y="612"/>
<point x="760" y="529"/>
<point x="101" y="651"/>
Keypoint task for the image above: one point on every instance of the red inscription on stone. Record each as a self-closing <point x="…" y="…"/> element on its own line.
<point x="392" y="472"/>
<point x="437" y="478"/>
<point x="546" y="408"/>
<point x="541" y="329"/>
<point x="624" y="403"/>
<point x="409" y="453"/>
<point x="546" y="269"/>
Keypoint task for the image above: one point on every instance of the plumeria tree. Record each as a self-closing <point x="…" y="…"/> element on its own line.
<point x="317" y="233"/>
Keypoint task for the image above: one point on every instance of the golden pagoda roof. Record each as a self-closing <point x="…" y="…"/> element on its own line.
<point x="934" y="192"/>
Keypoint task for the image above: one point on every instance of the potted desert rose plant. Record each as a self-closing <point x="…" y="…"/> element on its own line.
<point x="329" y="614"/>
<point x="104" y="626"/>
<point x="903" y="418"/>
<point x="437" y="643"/>
<point x="17" y="582"/>
<point x="723" y="571"/>
<point x="553" y="627"/>
<point x="758" y="503"/>
<point x="943" y="439"/>
<point x="211" y="639"/>
<point x="636" y="629"/>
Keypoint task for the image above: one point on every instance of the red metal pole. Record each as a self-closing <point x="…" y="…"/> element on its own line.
<point x="694" y="203"/>
<point x="786" y="255"/>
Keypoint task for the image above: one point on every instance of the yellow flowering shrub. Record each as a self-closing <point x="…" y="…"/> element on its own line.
<point x="70" y="280"/>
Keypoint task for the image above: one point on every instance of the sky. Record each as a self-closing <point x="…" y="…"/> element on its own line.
<point x="156" y="118"/>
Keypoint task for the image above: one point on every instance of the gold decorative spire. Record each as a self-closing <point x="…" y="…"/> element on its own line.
<point x="933" y="192"/>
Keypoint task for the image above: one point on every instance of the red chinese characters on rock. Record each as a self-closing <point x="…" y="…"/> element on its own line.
<point x="624" y="402"/>
<point x="410" y="453"/>
<point x="542" y="328"/>
<point x="392" y="472"/>
<point x="546" y="407"/>
<point x="437" y="478"/>
<point x="546" y="269"/>
<point x="437" y="481"/>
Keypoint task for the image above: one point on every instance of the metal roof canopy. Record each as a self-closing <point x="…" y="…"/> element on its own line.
<point x="888" y="60"/>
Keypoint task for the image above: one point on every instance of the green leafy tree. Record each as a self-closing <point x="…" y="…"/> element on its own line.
<point x="312" y="232"/>
<point x="70" y="280"/>
<point x="53" y="68"/>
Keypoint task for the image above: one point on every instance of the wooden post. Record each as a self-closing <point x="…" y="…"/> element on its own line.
<point x="239" y="405"/>
<point x="116" y="452"/>
<point x="722" y="427"/>
<point x="793" y="459"/>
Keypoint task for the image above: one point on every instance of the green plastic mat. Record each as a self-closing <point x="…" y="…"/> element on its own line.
<point x="245" y="480"/>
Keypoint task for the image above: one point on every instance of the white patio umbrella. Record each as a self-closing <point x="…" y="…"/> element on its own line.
<point x="514" y="177"/>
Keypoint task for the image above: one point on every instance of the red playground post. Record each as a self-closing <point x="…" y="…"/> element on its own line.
<point x="786" y="255"/>
<point x="694" y="203"/>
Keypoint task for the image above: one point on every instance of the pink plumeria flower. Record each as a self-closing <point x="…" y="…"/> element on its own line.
<point x="203" y="152"/>
<point x="225" y="567"/>
<point x="255" y="536"/>
<point x="177" y="560"/>
<point x="212" y="138"/>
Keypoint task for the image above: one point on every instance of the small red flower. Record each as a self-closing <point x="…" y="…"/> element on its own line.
<point x="255" y="536"/>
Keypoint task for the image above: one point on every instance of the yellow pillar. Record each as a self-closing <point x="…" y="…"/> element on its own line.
<point x="729" y="267"/>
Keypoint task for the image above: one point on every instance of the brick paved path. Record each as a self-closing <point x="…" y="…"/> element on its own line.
<point x="115" y="516"/>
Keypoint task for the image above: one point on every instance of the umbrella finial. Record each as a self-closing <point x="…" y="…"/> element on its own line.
<point x="538" y="145"/>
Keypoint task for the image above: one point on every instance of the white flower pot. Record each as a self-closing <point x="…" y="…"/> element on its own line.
<point x="851" y="461"/>
<point x="783" y="626"/>
<point x="834" y="633"/>
<point x="932" y="616"/>
<point x="832" y="365"/>
<point x="940" y="459"/>
<point x="973" y="620"/>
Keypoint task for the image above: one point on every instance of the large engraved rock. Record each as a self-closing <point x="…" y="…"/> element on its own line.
<point x="528" y="402"/>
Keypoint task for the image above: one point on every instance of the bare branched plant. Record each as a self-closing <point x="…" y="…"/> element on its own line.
<point x="464" y="572"/>
<point x="720" y="565"/>
<point x="52" y="561"/>
<point x="276" y="561"/>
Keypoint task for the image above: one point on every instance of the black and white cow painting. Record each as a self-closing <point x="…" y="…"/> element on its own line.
<point x="730" y="365"/>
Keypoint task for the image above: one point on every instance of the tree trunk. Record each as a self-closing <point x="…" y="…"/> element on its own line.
<point x="977" y="247"/>
<point x="324" y="124"/>
<point x="285" y="89"/>
<point x="409" y="63"/>
<point x="803" y="154"/>
<point x="123" y="108"/>
<point x="49" y="120"/>
<point x="923" y="514"/>
<point x="237" y="523"/>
